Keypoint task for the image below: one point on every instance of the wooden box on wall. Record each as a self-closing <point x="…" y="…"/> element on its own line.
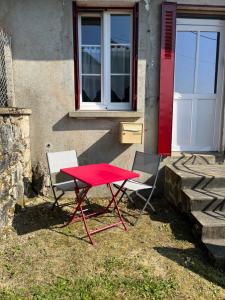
<point x="131" y="133"/>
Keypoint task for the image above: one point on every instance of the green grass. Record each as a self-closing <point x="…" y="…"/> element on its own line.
<point x="109" y="284"/>
<point x="103" y="287"/>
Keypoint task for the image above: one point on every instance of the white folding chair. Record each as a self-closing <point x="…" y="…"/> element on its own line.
<point x="57" y="161"/>
<point x="147" y="165"/>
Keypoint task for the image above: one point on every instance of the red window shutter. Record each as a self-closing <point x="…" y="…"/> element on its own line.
<point x="135" y="56"/>
<point x="167" y="59"/>
<point x="76" y="57"/>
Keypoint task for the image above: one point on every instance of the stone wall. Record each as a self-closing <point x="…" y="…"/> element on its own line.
<point x="15" y="161"/>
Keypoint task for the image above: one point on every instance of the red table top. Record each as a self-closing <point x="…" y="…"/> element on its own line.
<point x="98" y="174"/>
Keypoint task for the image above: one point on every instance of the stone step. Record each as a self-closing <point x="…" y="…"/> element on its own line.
<point x="216" y="250"/>
<point x="204" y="200"/>
<point x="180" y="178"/>
<point x="209" y="224"/>
<point x="179" y="158"/>
<point x="195" y="176"/>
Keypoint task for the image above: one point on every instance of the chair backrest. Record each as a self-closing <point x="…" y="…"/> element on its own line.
<point x="62" y="159"/>
<point x="147" y="163"/>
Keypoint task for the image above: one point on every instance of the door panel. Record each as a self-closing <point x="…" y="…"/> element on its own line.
<point x="199" y="66"/>
<point x="183" y="113"/>
<point x="205" y="123"/>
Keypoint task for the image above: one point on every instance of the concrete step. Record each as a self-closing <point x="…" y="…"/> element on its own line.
<point x="183" y="158"/>
<point x="209" y="224"/>
<point x="201" y="177"/>
<point x="216" y="250"/>
<point x="180" y="178"/>
<point x="203" y="200"/>
<point x="199" y="191"/>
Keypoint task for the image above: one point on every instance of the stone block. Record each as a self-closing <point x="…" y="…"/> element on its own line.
<point x="25" y="128"/>
<point x="5" y="212"/>
<point x="210" y="224"/>
<point x="15" y="164"/>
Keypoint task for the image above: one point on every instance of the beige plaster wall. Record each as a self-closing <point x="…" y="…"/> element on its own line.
<point x="43" y="65"/>
<point x="42" y="49"/>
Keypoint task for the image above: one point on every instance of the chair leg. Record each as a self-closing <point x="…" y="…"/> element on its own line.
<point x="140" y="214"/>
<point x="56" y="198"/>
<point x="124" y="192"/>
<point x="56" y="203"/>
<point x="129" y="197"/>
<point x="87" y="200"/>
<point x="148" y="203"/>
<point x="144" y="207"/>
<point x="121" y="197"/>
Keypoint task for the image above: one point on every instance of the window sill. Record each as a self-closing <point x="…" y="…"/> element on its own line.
<point x="86" y="114"/>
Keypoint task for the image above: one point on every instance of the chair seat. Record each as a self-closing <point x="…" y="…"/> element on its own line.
<point x="133" y="185"/>
<point x="69" y="185"/>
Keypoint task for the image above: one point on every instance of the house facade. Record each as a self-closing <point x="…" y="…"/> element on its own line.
<point x="83" y="67"/>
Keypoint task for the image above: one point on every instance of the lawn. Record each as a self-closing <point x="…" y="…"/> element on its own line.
<point x="156" y="259"/>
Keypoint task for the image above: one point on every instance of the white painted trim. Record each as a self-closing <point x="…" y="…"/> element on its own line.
<point x="105" y="103"/>
<point x="220" y="85"/>
<point x="88" y="105"/>
<point x="79" y="57"/>
<point x="107" y="60"/>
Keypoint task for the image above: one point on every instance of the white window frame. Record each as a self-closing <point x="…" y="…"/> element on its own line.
<point x="105" y="103"/>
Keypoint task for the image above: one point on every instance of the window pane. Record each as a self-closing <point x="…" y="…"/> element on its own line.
<point x="91" y="60"/>
<point x="186" y="42"/>
<point x="91" y="88"/>
<point x="120" y="59"/>
<point x="91" y="30"/>
<point x="206" y="80"/>
<point x="120" y="29"/>
<point x="120" y="88"/>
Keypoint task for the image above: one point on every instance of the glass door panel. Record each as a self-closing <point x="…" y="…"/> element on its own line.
<point x="186" y="46"/>
<point x="207" y="62"/>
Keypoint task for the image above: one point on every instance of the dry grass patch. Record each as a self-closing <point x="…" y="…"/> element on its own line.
<point x="156" y="259"/>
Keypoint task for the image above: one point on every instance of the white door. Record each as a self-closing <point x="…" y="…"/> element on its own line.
<point x="199" y="80"/>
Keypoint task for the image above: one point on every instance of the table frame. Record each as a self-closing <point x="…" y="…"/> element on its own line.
<point x="81" y="195"/>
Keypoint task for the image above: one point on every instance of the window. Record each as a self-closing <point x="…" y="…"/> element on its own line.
<point x="106" y="60"/>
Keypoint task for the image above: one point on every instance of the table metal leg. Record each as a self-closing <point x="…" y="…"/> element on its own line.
<point x="115" y="195"/>
<point x="85" y="225"/>
<point x="116" y="206"/>
<point x="80" y="196"/>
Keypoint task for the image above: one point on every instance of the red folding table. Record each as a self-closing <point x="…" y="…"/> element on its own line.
<point x="96" y="175"/>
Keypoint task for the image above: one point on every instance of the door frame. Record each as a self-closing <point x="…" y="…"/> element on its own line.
<point x="184" y="24"/>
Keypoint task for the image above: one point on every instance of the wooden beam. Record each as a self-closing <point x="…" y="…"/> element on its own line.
<point x="200" y="9"/>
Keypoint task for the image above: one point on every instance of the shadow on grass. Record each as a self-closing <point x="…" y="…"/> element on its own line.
<point x="36" y="217"/>
<point x="166" y="214"/>
<point x="41" y="216"/>
<point x="193" y="260"/>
